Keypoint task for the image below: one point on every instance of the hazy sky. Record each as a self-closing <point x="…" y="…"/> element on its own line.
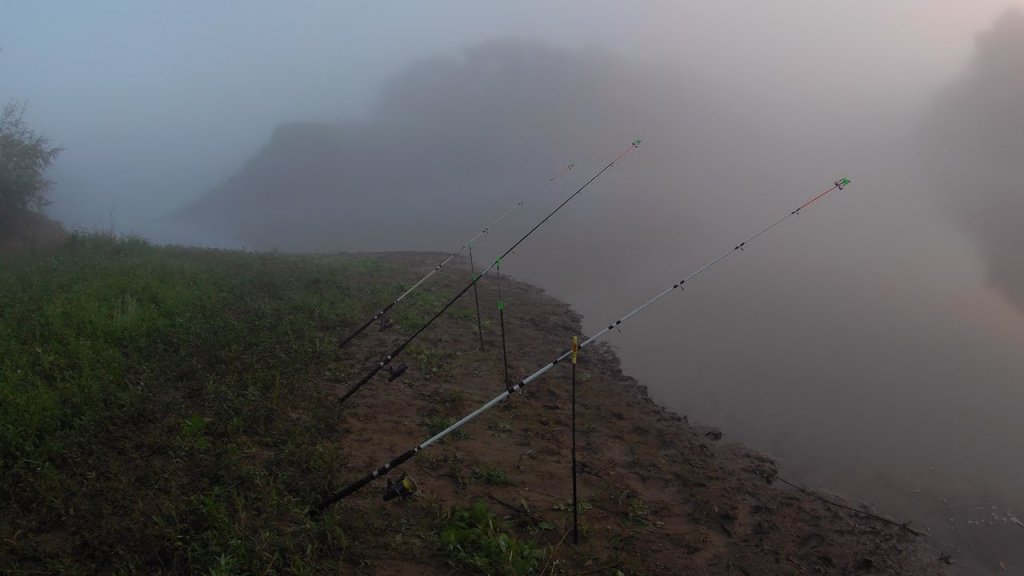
<point x="157" y="102"/>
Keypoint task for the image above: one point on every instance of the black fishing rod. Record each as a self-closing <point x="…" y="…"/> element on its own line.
<point x="575" y="503"/>
<point x="469" y="243"/>
<point x="387" y="359"/>
<point x="397" y="461"/>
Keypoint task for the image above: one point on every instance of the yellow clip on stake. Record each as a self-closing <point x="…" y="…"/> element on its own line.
<point x="575" y="348"/>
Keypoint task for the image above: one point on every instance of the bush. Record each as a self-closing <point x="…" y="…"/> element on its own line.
<point x="24" y="158"/>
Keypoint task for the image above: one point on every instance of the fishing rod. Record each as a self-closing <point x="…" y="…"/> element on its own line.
<point x="380" y="313"/>
<point x="575" y="503"/>
<point x="387" y="359"/>
<point x="402" y="458"/>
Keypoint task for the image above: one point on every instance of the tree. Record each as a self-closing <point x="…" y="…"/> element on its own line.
<point x="24" y="158"/>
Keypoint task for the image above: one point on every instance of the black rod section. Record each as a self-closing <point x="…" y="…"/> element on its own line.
<point x="501" y="317"/>
<point x="324" y="504"/>
<point x="575" y="503"/>
<point x="366" y="324"/>
<point x="476" y="298"/>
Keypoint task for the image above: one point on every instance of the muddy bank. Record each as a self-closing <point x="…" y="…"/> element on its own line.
<point x="662" y="496"/>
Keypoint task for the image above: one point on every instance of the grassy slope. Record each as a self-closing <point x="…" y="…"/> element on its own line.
<point x="169" y="410"/>
<point x="156" y="408"/>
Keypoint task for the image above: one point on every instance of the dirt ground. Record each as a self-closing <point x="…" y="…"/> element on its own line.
<point x="660" y="496"/>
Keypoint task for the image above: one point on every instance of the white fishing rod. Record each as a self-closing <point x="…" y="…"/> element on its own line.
<point x="469" y="243"/>
<point x="397" y="461"/>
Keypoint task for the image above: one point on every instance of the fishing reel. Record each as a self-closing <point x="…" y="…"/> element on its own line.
<point x="395" y="372"/>
<point x="384" y="323"/>
<point x="403" y="488"/>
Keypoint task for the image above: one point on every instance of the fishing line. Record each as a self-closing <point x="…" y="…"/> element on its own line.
<point x="903" y="525"/>
<point x="563" y="171"/>
<point x="405" y="456"/>
<point x="380" y="313"/>
<point x="387" y="359"/>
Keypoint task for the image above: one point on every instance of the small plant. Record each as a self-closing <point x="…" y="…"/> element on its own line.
<point x="437" y="424"/>
<point x="476" y="540"/>
<point x="567" y="507"/>
<point x="635" y="509"/>
<point x="500" y="429"/>
<point x="127" y="311"/>
<point x="582" y="509"/>
<point x="638" y="511"/>
<point x="434" y="365"/>
<point x="463" y="313"/>
<point x="193" y="432"/>
<point x="451" y="397"/>
<point x="491" y="475"/>
<point x="224" y="566"/>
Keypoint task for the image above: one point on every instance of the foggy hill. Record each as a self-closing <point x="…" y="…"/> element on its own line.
<point x="467" y="135"/>
<point x="975" y="142"/>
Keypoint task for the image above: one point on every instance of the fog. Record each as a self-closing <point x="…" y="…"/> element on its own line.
<point x="871" y="344"/>
<point x="974" y="142"/>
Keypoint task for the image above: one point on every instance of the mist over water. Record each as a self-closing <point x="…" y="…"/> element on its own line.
<point x="872" y="344"/>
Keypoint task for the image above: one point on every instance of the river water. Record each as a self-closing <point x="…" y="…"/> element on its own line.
<point x="858" y="343"/>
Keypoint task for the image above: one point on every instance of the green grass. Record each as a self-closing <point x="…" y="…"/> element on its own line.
<point x="158" y="411"/>
<point x="433" y="364"/>
<point x="420" y="306"/>
<point x="436" y="424"/>
<point x="477" y="541"/>
<point x="491" y="475"/>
